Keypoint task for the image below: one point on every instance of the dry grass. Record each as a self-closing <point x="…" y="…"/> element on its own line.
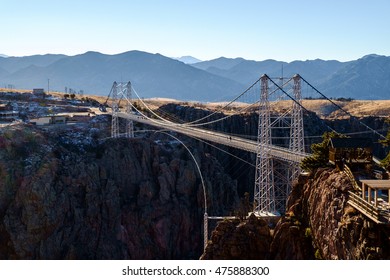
<point x="358" y="108"/>
<point x="323" y="108"/>
<point x="15" y="90"/>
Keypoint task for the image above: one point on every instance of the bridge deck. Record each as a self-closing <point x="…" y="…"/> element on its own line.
<point x="220" y="138"/>
<point x="223" y="218"/>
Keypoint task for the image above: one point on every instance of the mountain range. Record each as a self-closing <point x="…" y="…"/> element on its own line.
<point x="154" y="75"/>
<point x="187" y="59"/>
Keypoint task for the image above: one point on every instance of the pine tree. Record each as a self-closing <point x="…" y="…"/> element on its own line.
<point x="320" y="153"/>
<point x="386" y="143"/>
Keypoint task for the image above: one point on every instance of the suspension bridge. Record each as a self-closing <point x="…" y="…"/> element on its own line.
<point x="270" y="190"/>
<point x="271" y="186"/>
<point x="269" y="197"/>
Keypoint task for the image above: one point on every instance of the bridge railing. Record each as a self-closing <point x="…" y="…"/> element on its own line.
<point x="233" y="141"/>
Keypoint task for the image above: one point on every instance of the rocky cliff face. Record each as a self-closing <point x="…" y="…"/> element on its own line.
<point x="62" y="198"/>
<point x="65" y="194"/>
<point x="319" y="224"/>
<point x="239" y="240"/>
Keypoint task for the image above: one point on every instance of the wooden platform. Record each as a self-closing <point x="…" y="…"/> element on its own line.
<point x="371" y="202"/>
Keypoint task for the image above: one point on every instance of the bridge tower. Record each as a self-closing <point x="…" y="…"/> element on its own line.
<point x="129" y="130"/>
<point x="297" y="137"/>
<point x="115" y="109"/>
<point x="118" y="92"/>
<point x="274" y="178"/>
<point x="264" y="192"/>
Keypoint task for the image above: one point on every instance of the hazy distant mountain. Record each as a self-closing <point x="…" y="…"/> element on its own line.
<point x="244" y="71"/>
<point x="221" y="63"/>
<point x="3" y="73"/>
<point x="314" y="71"/>
<point x="152" y="75"/>
<point x="3" y="55"/>
<point x="365" y="78"/>
<point x="248" y="71"/>
<point x="13" y="63"/>
<point x="187" y="59"/>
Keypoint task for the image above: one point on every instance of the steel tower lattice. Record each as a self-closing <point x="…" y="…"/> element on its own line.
<point x="115" y="109"/>
<point x="126" y="90"/>
<point x="118" y="92"/>
<point x="297" y="136"/>
<point x="264" y="192"/>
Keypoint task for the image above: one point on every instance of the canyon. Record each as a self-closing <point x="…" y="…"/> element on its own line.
<point x="72" y="193"/>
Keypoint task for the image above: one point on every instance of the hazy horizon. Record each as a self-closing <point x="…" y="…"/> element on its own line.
<point x="187" y="55"/>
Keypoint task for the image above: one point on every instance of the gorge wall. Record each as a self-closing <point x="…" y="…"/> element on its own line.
<point x="319" y="224"/>
<point x="69" y="193"/>
<point x="65" y="195"/>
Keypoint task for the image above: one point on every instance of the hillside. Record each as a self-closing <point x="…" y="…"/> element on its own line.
<point x="12" y="64"/>
<point x="357" y="108"/>
<point x="365" y="78"/>
<point x="247" y="71"/>
<point x="3" y="72"/>
<point x="152" y="75"/>
<point x="221" y="63"/>
<point x="187" y="59"/>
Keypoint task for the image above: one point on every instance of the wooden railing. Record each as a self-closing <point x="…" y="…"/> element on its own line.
<point x="365" y="207"/>
<point x="347" y="171"/>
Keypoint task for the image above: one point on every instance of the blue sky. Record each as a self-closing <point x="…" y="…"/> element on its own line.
<point x="252" y="29"/>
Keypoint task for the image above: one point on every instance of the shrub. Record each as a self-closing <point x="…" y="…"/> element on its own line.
<point x="386" y="143"/>
<point x="317" y="255"/>
<point x="308" y="232"/>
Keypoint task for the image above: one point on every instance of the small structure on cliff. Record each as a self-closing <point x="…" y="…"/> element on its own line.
<point x="353" y="151"/>
<point x="57" y="119"/>
<point x="374" y="200"/>
<point x="7" y="112"/>
<point x="39" y="92"/>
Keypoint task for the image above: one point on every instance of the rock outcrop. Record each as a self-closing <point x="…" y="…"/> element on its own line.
<point x="320" y="224"/>
<point x="239" y="240"/>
